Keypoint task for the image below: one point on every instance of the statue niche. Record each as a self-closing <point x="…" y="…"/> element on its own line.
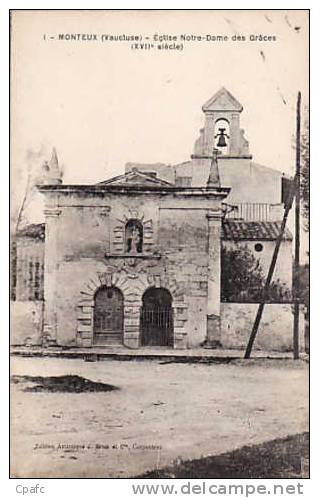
<point x="133" y="237"/>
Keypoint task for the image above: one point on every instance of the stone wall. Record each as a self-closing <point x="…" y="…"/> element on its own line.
<point x="244" y="176"/>
<point x="275" y="332"/>
<point x="250" y="181"/>
<point x="26" y="322"/>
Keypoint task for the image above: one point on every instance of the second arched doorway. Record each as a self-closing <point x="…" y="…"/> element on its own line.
<point x="157" y="326"/>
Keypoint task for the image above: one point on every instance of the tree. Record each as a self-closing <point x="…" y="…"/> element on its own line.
<point x="303" y="290"/>
<point x="24" y="179"/>
<point x="243" y="279"/>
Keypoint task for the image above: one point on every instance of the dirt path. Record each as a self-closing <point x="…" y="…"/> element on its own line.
<point x="162" y="413"/>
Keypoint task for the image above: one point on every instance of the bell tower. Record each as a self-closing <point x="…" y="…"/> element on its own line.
<point x="222" y="128"/>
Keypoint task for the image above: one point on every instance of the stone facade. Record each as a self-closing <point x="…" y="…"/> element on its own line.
<point x="85" y="249"/>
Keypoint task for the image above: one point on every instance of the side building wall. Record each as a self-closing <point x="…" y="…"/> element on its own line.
<point x="27" y="279"/>
<point x="275" y="331"/>
<point x="26" y="323"/>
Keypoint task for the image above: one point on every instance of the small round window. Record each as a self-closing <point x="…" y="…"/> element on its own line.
<point x="258" y="247"/>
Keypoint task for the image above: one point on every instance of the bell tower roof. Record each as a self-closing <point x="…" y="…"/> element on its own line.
<point x="223" y="100"/>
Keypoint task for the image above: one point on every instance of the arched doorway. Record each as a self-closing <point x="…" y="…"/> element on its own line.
<point x="157" y="318"/>
<point x="108" y="316"/>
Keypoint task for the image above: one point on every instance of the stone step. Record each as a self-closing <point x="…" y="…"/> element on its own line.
<point x="109" y="338"/>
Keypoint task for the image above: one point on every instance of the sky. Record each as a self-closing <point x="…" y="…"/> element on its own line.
<point x="102" y="104"/>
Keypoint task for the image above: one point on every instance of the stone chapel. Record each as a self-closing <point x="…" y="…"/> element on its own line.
<point x="135" y="261"/>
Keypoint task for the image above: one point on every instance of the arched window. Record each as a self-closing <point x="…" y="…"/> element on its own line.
<point x="133" y="237"/>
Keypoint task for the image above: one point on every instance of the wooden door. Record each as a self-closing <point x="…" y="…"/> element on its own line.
<point x="108" y="316"/>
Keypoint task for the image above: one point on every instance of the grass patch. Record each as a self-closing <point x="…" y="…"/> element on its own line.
<point x="280" y="458"/>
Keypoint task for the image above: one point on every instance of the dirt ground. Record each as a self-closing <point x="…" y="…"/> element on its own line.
<point x="161" y="414"/>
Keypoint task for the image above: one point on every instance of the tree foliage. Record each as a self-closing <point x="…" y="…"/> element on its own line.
<point x="303" y="279"/>
<point x="243" y="279"/>
<point x="304" y="179"/>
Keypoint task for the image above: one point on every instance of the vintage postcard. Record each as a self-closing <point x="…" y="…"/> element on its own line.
<point x="159" y="244"/>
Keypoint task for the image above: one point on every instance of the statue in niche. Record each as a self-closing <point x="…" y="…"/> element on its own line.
<point x="134" y="237"/>
<point x="135" y="240"/>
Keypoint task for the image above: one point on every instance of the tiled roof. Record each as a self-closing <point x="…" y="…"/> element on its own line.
<point x="253" y="230"/>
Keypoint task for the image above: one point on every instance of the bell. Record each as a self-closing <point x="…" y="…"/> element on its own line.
<point x="222" y="138"/>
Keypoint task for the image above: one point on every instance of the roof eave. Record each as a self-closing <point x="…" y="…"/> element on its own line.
<point x="100" y="189"/>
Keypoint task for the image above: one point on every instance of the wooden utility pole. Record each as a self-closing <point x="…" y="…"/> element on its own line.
<point x="270" y="275"/>
<point x="296" y="282"/>
<point x="294" y="190"/>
